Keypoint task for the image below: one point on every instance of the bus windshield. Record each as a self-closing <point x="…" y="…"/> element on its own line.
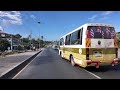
<point x="104" y="32"/>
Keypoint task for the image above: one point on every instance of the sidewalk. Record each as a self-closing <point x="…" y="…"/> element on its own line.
<point x="10" y="61"/>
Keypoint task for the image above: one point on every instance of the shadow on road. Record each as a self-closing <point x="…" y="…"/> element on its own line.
<point x="57" y="50"/>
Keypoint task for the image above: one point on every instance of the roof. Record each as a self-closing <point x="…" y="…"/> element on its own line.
<point x="1" y="32"/>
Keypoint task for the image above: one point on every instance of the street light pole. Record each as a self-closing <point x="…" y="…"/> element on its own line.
<point x="39" y="35"/>
<point x="39" y="40"/>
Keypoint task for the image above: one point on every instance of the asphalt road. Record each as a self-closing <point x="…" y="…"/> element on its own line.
<point x="9" y="62"/>
<point x="107" y="72"/>
<point x="49" y="65"/>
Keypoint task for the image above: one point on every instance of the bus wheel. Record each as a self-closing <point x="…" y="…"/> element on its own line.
<point x="72" y="61"/>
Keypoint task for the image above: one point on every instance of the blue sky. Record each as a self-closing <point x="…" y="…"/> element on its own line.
<point x="54" y="24"/>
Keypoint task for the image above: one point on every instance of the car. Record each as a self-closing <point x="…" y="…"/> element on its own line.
<point x="55" y="47"/>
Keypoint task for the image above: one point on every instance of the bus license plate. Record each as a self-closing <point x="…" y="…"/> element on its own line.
<point x="97" y="53"/>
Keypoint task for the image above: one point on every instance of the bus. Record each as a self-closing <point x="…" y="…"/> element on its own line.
<point x="92" y="44"/>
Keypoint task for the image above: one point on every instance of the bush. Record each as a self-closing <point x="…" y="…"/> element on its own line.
<point x="119" y="45"/>
<point x="4" y="44"/>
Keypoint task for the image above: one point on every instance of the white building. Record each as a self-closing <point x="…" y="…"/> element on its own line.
<point x="14" y="42"/>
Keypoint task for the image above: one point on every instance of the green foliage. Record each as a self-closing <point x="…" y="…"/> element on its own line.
<point x="25" y="41"/>
<point x="18" y="36"/>
<point x="118" y="39"/>
<point x="4" y="44"/>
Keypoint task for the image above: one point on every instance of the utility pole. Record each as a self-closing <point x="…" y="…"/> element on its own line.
<point x="42" y="41"/>
<point x="11" y="42"/>
<point x="30" y="36"/>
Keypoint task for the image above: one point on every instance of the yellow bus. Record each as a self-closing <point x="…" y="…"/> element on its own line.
<point x="92" y="44"/>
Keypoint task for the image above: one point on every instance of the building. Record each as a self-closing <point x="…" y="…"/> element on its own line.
<point x="13" y="40"/>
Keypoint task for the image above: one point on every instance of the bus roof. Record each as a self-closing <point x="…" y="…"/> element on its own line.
<point x="88" y="24"/>
<point x="99" y="24"/>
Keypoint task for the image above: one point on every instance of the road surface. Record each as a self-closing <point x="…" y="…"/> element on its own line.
<point x="49" y="65"/>
<point x="8" y="62"/>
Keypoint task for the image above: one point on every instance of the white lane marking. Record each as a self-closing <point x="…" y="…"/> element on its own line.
<point x="93" y="74"/>
<point x="27" y="65"/>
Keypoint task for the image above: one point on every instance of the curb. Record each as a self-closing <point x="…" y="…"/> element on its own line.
<point x="11" y="73"/>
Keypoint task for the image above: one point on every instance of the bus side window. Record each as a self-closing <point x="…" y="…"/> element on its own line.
<point x="76" y="37"/>
<point x="81" y="33"/>
<point x="67" y="40"/>
<point x="61" y="41"/>
<point x="78" y="40"/>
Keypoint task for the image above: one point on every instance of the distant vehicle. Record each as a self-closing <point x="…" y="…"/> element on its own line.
<point x="55" y="47"/>
<point x="91" y="44"/>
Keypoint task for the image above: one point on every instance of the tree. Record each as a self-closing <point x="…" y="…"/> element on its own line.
<point x="35" y="43"/>
<point x="25" y="40"/>
<point x="26" y="43"/>
<point x="42" y="37"/>
<point x="4" y="44"/>
<point x="18" y="36"/>
<point x="41" y="42"/>
<point x="118" y="38"/>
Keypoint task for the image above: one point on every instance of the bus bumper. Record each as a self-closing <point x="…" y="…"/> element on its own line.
<point x="98" y="63"/>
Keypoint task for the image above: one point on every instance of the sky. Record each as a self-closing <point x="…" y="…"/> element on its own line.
<point x="53" y="24"/>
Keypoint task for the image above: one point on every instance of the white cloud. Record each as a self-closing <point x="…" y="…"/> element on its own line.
<point x="25" y="35"/>
<point x="11" y="17"/>
<point x="33" y="16"/>
<point x="107" y="13"/>
<point x="117" y="28"/>
<point x="5" y="23"/>
<point x="92" y="18"/>
<point x="1" y="28"/>
<point x="103" y="18"/>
